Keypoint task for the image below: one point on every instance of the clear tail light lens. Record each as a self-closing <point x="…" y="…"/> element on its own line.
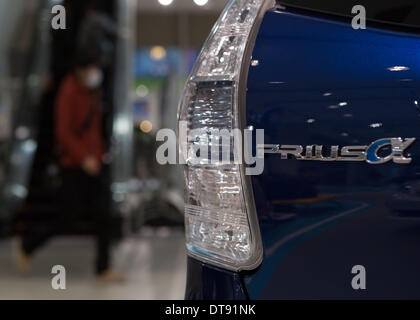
<point x="220" y="228"/>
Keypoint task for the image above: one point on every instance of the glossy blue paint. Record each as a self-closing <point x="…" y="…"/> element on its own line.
<point x="205" y="282"/>
<point x="319" y="82"/>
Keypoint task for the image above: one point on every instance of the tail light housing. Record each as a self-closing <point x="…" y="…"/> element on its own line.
<point x="220" y="218"/>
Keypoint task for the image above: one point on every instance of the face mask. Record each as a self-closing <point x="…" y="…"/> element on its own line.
<point x="94" y="78"/>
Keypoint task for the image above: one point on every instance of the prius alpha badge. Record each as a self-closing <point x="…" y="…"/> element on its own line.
<point x="370" y="153"/>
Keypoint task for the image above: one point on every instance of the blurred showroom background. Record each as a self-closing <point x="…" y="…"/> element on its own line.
<point x="149" y="47"/>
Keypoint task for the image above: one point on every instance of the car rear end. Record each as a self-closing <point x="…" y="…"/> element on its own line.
<point x="339" y="192"/>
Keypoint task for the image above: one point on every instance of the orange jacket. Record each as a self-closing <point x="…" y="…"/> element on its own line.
<point x="75" y="139"/>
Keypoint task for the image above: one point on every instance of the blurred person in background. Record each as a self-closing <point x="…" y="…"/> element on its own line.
<point x="80" y="148"/>
<point x="97" y="34"/>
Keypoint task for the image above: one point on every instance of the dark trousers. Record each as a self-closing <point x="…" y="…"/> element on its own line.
<point x="80" y="194"/>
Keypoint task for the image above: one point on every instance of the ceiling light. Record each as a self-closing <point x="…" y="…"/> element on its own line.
<point x="158" y="53"/>
<point x="201" y="2"/>
<point x="146" y="126"/>
<point x="165" y="2"/>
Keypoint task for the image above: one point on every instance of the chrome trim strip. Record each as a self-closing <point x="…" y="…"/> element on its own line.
<point x="241" y="105"/>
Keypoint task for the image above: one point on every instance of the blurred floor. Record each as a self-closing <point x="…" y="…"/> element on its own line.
<point x="154" y="264"/>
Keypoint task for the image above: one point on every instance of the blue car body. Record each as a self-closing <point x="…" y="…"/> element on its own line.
<point x="317" y="81"/>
